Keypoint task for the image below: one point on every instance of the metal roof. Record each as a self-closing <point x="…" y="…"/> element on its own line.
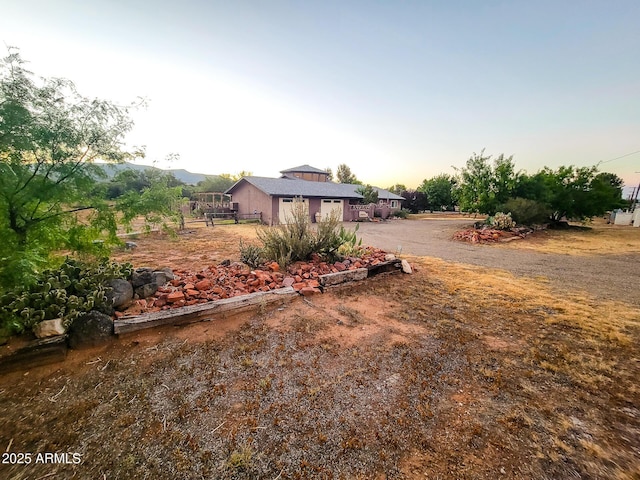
<point x="294" y="187"/>
<point x="304" y="169"/>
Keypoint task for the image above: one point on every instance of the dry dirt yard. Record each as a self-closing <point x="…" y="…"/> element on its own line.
<point x="474" y="367"/>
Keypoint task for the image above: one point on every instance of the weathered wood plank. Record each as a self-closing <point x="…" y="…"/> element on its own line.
<point x="200" y="312"/>
<point x="337" y="278"/>
<point x="35" y="354"/>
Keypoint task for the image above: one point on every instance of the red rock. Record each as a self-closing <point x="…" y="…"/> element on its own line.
<point x="204" y="284"/>
<point x="217" y="289"/>
<point x="189" y="286"/>
<point x="191" y="302"/>
<point x="264" y="288"/>
<point x="176" y="282"/>
<point x="288" y="281"/>
<point x="340" y="267"/>
<point x="192" y="293"/>
<point x="298" y="278"/>
<point x="274" y="266"/>
<point x="313" y="283"/>
<point x="299" y="285"/>
<point x="174" y="297"/>
<point x="119" y="314"/>
<point x="308" y="291"/>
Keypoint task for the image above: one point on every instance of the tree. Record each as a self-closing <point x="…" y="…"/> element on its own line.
<point x="329" y="174"/>
<point x="581" y="192"/>
<point x="50" y="137"/>
<point x="440" y="191"/>
<point x="344" y="175"/>
<point x="415" y="201"/>
<point x="369" y="193"/>
<point x="484" y="186"/>
<point x="398" y="188"/>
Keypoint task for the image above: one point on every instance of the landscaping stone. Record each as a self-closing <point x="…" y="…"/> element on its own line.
<point x="308" y="291"/>
<point x="174" y="297"/>
<point x="49" y="328"/>
<point x="204" y="285"/>
<point x="168" y="273"/>
<point x="90" y="330"/>
<point x="146" y="290"/>
<point x="121" y="294"/>
<point x="406" y="267"/>
<point x="141" y="276"/>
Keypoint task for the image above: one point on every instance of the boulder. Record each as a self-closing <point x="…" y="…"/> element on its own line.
<point x="90" y="330"/>
<point x="141" y="276"/>
<point x="121" y="294"/>
<point x="168" y="273"/>
<point x="406" y="267"/>
<point x="49" y="328"/>
<point x="146" y="290"/>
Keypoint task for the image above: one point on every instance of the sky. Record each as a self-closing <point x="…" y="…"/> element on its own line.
<point x="400" y="91"/>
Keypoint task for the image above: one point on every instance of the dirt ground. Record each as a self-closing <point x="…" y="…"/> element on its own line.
<point x="471" y="368"/>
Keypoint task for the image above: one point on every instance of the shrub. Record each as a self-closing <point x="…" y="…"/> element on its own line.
<point x="501" y="221"/>
<point x="290" y="242"/>
<point x="401" y="213"/>
<point x="66" y="292"/>
<point x="297" y="240"/>
<point x="250" y="254"/>
<point x="527" y="212"/>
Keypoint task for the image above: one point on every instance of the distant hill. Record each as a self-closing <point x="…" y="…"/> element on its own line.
<point x="181" y="174"/>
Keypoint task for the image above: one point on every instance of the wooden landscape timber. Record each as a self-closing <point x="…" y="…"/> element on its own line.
<point x="35" y="354"/>
<point x="201" y="312"/>
<point x="204" y="311"/>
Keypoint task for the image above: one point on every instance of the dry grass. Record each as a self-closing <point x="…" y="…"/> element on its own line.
<point x="453" y="372"/>
<point x="597" y="239"/>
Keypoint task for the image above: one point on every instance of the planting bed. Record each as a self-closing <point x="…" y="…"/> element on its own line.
<point x="217" y="282"/>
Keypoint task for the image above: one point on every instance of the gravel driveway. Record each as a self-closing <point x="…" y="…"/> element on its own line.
<point x="605" y="276"/>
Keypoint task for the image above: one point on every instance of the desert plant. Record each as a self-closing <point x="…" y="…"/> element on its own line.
<point x="290" y="242"/>
<point x="251" y="254"/>
<point x="297" y="240"/>
<point x="401" y="213"/>
<point x="66" y="292"/>
<point x="501" y="221"/>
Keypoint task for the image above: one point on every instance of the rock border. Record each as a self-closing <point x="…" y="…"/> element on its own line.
<point x="54" y="349"/>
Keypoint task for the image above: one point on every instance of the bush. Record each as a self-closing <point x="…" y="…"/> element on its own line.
<point x="501" y="221"/>
<point x="297" y="240"/>
<point x="401" y="213"/>
<point x="66" y="292"/>
<point x="251" y="255"/>
<point x="527" y="212"/>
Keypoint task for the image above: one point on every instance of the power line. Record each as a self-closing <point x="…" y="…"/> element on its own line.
<point x="617" y="158"/>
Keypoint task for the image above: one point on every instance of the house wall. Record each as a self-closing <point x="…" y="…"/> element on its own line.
<point x="251" y="199"/>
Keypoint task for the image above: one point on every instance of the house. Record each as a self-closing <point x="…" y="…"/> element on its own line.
<point x="274" y="198"/>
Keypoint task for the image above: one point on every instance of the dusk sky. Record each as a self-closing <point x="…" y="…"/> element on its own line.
<point x="398" y="90"/>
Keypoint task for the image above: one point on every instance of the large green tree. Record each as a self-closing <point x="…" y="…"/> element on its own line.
<point x="440" y="191"/>
<point x="577" y="193"/>
<point x="50" y="137"/>
<point x="486" y="184"/>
